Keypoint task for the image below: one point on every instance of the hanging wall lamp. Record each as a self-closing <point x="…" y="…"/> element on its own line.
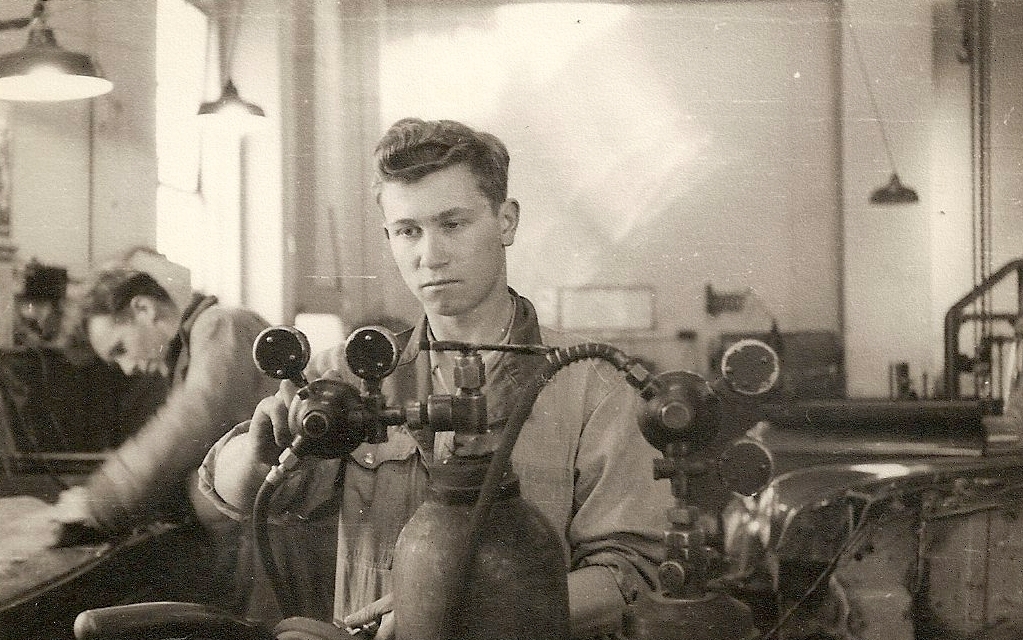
<point x="43" y="71"/>
<point x="230" y="110"/>
<point x="894" y="192"/>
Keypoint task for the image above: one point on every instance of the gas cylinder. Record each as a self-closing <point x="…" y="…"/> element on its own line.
<point x="515" y="586"/>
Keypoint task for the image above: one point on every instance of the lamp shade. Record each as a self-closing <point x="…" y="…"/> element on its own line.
<point x="230" y="103"/>
<point x="229" y="113"/>
<point x="44" y="72"/>
<point x="894" y="193"/>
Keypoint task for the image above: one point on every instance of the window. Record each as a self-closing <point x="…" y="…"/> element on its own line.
<point x="198" y="201"/>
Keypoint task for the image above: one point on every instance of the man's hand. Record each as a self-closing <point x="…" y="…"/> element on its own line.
<point x="243" y="462"/>
<point x="379" y="613"/>
<point x="73" y="506"/>
<point x="76" y="524"/>
<point x="268" y="432"/>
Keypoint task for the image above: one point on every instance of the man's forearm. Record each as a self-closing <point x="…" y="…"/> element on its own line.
<point x="595" y="602"/>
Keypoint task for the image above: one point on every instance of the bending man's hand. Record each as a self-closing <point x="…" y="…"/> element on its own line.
<point x="73" y="506"/>
<point x="75" y="522"/>
<point x="379" y="612"/>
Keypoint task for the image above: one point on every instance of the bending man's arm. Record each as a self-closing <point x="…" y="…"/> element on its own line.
<point x="220" y="389"/>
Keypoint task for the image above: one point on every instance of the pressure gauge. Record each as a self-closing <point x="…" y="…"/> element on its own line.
<point x="372" y="353"/>
<point x="750" y="367"/>
<point x="282" y="353"/>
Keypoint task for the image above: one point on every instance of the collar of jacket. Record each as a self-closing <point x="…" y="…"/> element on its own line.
<point x="177" y="356"/>
<point x="512" y="370"/>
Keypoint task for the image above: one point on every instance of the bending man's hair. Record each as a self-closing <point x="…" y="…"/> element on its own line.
<point x="112" y="290"/>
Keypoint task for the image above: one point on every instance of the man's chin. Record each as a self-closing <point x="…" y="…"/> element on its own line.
<point x="442" y="308"/>
<point x="440" y="304"/>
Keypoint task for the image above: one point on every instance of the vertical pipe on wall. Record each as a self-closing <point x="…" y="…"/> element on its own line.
<point x="90" y="251"/>
<point x="979" y="33"/>
<point x="299" y="153"/>
<point x="835" y="16"/>
<point x="243" y="229"/>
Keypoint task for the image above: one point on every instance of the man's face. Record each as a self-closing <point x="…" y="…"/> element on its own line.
<point x="136" y="344"/>
<point x="447" y="239"/>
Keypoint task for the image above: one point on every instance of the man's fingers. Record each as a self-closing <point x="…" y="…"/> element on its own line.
<point x="386" y="630"/>
<point x="370" y="613"/>
<point x="269" y="429"/>
<point x="286" y="391"/>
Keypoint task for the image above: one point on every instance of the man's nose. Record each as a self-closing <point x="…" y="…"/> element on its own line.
<point x="127" y="366"/>
<point x="433" y="251"/>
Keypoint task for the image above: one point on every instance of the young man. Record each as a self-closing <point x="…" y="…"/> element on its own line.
<point x="206" y="351"/>
<point x="442" y="189"/>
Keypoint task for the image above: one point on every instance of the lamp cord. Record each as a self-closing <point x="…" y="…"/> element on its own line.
<point x="227" y="24"/>
<point x="870" y="94"/>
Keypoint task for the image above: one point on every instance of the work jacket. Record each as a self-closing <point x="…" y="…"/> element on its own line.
<point x="580" y="459"/>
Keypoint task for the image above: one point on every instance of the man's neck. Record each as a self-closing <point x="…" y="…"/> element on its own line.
<point x="486" y="324"/>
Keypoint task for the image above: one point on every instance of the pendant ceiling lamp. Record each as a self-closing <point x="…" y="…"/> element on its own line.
<point x="43" y="71"/>
<point x="230" y="103"/>
<point x="894" y="192"/>
<point x="230" y="111"/>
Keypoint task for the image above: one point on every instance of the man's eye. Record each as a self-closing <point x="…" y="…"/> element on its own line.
<point x="452" y="224"/>
<point x="406" y="232"/>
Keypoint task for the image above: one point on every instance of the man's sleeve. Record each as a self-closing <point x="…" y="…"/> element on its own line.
<point x="221" y="389"/>
<point x="620" y="509"/>
<point x="303" y="491"/>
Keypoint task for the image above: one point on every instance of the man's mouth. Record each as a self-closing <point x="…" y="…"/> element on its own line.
<point x="436" y="284"/>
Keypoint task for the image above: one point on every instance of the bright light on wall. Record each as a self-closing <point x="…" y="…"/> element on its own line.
<point x="538" y="39"/>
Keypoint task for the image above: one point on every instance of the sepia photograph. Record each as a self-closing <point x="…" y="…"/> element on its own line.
<point x="511" y="320"/>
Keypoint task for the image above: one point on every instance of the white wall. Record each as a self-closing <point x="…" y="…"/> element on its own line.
<point x="887" y="257"/>
<point x="124" y="165"/>
<point x="663" y="145"/>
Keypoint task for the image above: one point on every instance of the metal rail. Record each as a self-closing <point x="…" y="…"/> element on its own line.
<point x="955" y="317"/>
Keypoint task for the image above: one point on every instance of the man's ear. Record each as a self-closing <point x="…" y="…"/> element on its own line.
<point x="508" y="213"/>
<point x="143" y="309"/>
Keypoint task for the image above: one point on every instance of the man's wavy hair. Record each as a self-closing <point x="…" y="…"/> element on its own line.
<point x="412" y="149"/>
<point x="112" y="290"/>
